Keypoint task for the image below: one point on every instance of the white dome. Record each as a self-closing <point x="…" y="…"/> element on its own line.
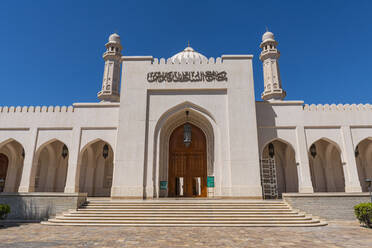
<point x="268" y="36"/>
<point x="114" y="38"/>
<point x="187" y="54"/>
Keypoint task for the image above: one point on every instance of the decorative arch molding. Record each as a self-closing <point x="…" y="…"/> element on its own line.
<point x="289" y="144"/>
<point x="91" y="142"/>
<point x="45" y="144"/>
<point x="87" y="142"/>
<point x="90" y="159"/>
<point x="36" y="157"/>
<point x="165" y="126"/>
<point x="338" y="148"/>
<point x="360" y="140"/>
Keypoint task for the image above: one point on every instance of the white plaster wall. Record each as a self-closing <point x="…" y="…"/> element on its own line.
<point x="302" y="125"/>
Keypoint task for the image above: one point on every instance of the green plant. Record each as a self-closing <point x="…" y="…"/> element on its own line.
<point x="363" y="212"/>
<point x="4" y="211"/>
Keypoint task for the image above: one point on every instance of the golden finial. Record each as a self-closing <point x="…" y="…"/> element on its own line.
<point x="188" y="43"/>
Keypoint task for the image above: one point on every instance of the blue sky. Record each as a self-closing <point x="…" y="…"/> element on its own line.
<point x="51" y="51"/>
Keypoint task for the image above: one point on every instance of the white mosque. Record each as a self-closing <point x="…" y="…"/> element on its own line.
<point x="186" y="126"/>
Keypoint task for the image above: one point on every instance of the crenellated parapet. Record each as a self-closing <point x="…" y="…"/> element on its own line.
<point x="187" y="61"/>
<point x="338" y="107"/>
<point x="36" y="109"/>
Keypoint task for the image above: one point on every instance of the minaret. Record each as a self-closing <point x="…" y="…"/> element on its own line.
<point x="111" y="74"/>
<point x="269" y="57"/>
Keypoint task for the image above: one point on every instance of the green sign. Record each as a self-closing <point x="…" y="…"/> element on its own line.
<point x="163" y="185"/>
<point x="210" y="182"/>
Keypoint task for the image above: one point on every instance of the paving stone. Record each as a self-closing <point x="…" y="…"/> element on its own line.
<point x="336" y="234"/>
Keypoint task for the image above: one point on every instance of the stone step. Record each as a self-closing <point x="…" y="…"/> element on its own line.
<point x="183" y="204"/>
<point x="183" y="213"/>
<point x="184" y="207"/>
<point x="321" y="223"/>
<point x="183" y="218"/>
<point x="264" y="215"/>
<point x="210" y="221"/>
<point x="181" y="210"/>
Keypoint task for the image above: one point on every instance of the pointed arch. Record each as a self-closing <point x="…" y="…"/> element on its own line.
<point x="363" y="159"/>
<point x="95" y="168"/>
<point x="285" y="162"/>
<point x="326" y="166"/>
<point x="166" y="124"/>
<point x="15" y="154"/>
<point x="49" y="167"/>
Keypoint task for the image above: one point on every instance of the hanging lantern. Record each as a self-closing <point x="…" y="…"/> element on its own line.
<point x="271" y="150"/>
<point x="356" y="151"/>
<point x="105" y="151"/>
<point x="64" y="151"/>
<point x="187" y="132"/>
<point x="23" y="153"/>
<point x="313" y="150"/>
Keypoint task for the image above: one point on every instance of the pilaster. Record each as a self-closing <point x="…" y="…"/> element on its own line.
<point x="352" y="183"/>
<point x="25" y="184"/>
<point x="303" y="166"/>
<point x="73" y="171"/>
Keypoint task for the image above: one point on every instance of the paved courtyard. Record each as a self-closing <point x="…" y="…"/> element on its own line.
<point x="336" y="234"/>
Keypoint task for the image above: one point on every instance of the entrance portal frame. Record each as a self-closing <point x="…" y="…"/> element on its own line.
<point x="166" y="125"/>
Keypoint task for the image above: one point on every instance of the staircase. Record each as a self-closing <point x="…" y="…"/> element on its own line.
<point x="171" y="212"/>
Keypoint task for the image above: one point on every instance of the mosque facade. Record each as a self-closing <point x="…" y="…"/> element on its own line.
<point x="187" y="126"/>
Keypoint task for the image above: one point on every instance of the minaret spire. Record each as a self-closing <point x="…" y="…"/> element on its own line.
<point x="111" y="75"/>
<point x="269" y="56"/>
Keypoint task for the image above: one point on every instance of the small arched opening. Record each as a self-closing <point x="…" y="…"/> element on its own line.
<point x="363" y="159"/>
<point x="96" y="169"/>
<point x="326" y="167"/>
<point x="283" y="156"/>
<point x="11" y="165"/>
<point x="50" y="167"/>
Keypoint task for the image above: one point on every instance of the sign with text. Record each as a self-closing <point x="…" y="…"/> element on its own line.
<point x="210" y="181"/>
<point x="164" y="185"/>
<point x="186" y="76"/>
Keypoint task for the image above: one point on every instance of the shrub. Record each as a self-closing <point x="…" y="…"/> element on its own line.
<point x="363" y="212"/>
<point x="4" y="211"/>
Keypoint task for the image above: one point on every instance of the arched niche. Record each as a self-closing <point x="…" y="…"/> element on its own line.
<point x="95" y="168"/>
<point x="49" y="168"/>
<point x="14" y="152"/>
<point x="363" y="159"/>
<point x="285" y="162"/>
<point x="326" y="166"/>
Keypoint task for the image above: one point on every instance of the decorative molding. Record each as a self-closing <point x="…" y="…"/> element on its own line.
<point x="36" y="109"/>
<point x="339" y="107"/>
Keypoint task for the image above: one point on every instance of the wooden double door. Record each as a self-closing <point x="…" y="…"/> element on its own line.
<point x="187" y="172"/>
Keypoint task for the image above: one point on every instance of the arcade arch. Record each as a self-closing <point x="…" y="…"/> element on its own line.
<point x="286" y="170"/>
<point x="96" y="168"/>
<point x="11" y="165"/>
<point x="326" y="167"/>
<point x="363" y="158"/>
<point x="49" y="169"/>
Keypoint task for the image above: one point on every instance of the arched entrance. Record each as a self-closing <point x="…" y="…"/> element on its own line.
<point x="49" y="171"/>
<point x="363" y="158"/>
<point x="3" y="170"/>
<point x="96" y="169"/>
<point x="284" y="176"/>
<point x="187" y="163"/>
<point x="326" y="167"/>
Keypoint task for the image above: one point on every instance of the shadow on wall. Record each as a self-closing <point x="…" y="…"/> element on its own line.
<point x="27" y="209"/>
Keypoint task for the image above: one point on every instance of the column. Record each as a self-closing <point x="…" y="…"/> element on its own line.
<point x="303" y="167"/>
<point x="73" y="172"/>
<point x="352" y="183"/>
<point x="25" y="184"/>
